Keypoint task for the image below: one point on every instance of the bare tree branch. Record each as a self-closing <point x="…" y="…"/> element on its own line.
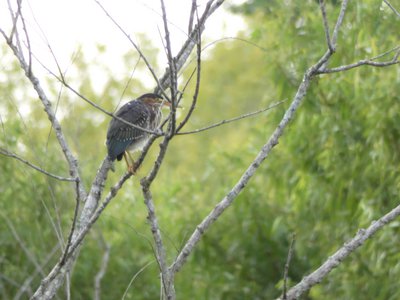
<point x="392" y="8"/>
<point x="13" y="155"/>
<point x="72" y="161"/>
<point x="223" y="122"/>
<point x="26" y="285"/>
<point x="173" y="73"/>
<point x="137" y="48"/>
<point x="326" y="26"/>
<point x="197" y="87"/>
<point x="191" y="17"/>
<point x="62" y="79"/>
<point x="261" y="156"/>
<point x="364" y="62"/>
<point x="190" y="43"/>
<point x="73" y="225"/>
<point x="91" y="211"/>
<point x="348" y="248"/>
<point x="103" y="267"/>
<point x="287" y="264"/>
<point x="134" y="277"/>
<point x="31" y="257"/>
<point x="167" y="281"/>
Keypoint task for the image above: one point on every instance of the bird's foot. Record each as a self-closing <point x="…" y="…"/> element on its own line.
<point x="133" y="168"/>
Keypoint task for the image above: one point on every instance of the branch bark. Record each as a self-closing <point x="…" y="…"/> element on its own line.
<point x="262" y="155"/>
<point x="91" y="210"/>
<point x="90" y="213"/>
<point x="343" y="252"/>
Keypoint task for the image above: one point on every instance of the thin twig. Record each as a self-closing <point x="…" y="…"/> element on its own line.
<point x="15" y="156"/>
<point x="261" y="156"/>
<point x="134" y="278"/>
<point x="339" y="22"/>
<point x="366" y="62"/>
<point x="127" y="83"/>
<point x="91" y="211"/>
<point x="92" y="103"/>
<point x="227" y="121"/>
<point x="191" y="17"/>
<point x="395" y="49"/>
<point x="73" y="225"/>
<point x="24" y="287"/>
<point x="197" y="87"/>
<point x="392" y="8"/>
<point x="173" y="77"/>
<point x="88" y="225"/>
<point x="326" y="25"/>
<point x="190" y="43"/>
<point x="14" y="18"/>
<point x="29" y="254"/>
<point x="26" y="37"/>
<point x="137" y="48"/>
<point x="287" y="265"/>
<point x="71" y="160"/>
<point x="103" y="267"/>
<point x="185" y="87"/>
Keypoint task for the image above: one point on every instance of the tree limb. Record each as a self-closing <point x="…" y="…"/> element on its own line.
<point x="364" y="62"/>
<point x="392" y="8"/>
<point x="326" y="26"/>
<point x="13" y="155"/>
<point x="227" y="121"/>
<point x="261" y="156"/>
<point x="103" y="267"/>
<point x="287" y="264"/>
<point x="72" y="161"/>
<point x="343" y="252"/>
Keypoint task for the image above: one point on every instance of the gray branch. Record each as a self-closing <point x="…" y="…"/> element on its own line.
<point x="13" y="155"/>
<point x="348" y="248"/>
<point x="261" y="156"/>
<point x="364" y="62"/>
<point x="227" y="121"/>
<point x="99" y="276"/>
<point x="71" y="159"/>
<point x="90" y="213"/>
<point x="392" y="8"/>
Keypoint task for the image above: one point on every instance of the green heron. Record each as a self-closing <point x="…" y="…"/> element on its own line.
<point x="145" y="112"/>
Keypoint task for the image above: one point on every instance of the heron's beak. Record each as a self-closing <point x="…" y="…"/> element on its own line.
<point x="168" y="104"/>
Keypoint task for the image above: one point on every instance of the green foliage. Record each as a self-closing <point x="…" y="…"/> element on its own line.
<point x="334" y="170"/>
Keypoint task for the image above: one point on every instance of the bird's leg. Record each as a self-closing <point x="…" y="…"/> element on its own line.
<point x="134" y="165"/>
<point x="130" y="167"/>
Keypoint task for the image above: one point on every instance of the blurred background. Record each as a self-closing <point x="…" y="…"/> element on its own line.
<point x="336" y="168"/>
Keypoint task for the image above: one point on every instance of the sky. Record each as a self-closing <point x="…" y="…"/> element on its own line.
<point x="68" y="25"/>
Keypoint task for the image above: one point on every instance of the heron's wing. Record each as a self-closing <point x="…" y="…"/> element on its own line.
<point x="121" y="135"/>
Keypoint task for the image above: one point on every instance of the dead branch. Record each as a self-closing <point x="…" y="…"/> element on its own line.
<point x="397" y="13"/>
<point x="197" y="86"/>
<point x="287" y="264"/>
<point x="343" y="252"/>
<point x="227" y="121"/>
<point x="326" y="26"/>
<point x="17" y="157"/>
<point x="99" y="276"/>
<point x="72" y="161"/>
<point x="261" y="156"/>
<point x="365" y="62"/>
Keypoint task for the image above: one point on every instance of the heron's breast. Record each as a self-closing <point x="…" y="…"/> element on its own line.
<point x="138" y="144"/>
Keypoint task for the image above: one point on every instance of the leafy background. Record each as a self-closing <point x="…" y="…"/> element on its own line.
<point x="335" y="169"/>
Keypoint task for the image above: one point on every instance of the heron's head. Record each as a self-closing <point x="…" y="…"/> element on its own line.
<point x="153" y="99"/>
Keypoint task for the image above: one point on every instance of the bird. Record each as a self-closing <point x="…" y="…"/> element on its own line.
<point x="144" y="112"/>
